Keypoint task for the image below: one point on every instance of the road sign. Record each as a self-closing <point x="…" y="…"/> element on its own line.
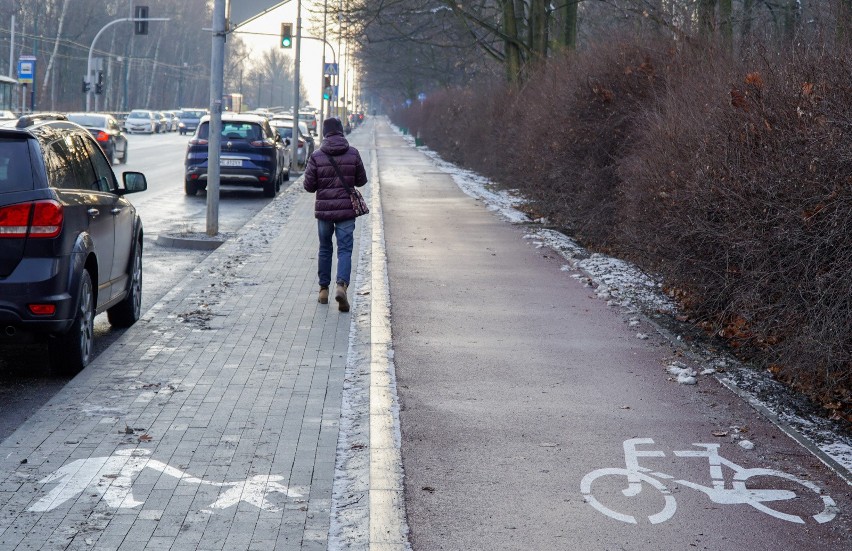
<point x="330" y="69"/>
<point x="26" y="69"/>
<point x="421" y="96"/>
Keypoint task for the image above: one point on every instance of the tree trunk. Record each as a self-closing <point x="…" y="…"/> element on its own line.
<point x="513" y="51"/>
<point x="726" y="23"/>
<point x="791" y="20"/>
<point x="568" y="37"/>
<point x="844" y="20"/>
<point x="153" y="73"/>
<point x="538" y="28"/>
<point x="706" y="17"/>
<point x="748" y="17"/>
<point x="53" y="54"/>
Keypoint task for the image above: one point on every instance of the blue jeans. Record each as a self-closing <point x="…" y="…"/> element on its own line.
<point x="342" y="230"/>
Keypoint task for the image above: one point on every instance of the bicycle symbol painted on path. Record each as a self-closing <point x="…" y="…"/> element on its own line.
<point x="738" y="492"/>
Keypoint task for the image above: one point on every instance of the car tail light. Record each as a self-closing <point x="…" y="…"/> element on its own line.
<point x="102" y="136"/>
<point x="197" y="141"/>
<point x="46" y="219"/>
<point x="263" y="143"/>
<point x="42" y="309"/>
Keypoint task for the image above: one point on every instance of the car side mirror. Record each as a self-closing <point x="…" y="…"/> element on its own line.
<point x="286" y="141"/>
<point x="134" y="182"/>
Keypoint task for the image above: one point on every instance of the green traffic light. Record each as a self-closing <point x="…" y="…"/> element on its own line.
<point x="286" y="42"/>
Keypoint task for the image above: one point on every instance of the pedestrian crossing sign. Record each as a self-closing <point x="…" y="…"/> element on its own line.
<point x="330" y="69"/>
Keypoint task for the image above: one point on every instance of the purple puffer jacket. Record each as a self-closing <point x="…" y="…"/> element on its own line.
<point x="333" y="202"/>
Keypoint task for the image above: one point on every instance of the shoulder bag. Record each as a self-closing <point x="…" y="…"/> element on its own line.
<point x="358" y="203"/>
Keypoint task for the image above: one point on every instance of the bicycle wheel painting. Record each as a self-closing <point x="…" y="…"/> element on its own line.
<point x="622" y="492"/>
<point x="785" y="496"/>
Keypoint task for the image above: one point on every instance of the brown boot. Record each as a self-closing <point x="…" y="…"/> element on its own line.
<point x="340" y="297"/>
<point x="323" y="295"/>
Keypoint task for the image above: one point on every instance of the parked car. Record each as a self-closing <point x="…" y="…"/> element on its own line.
<point x="106" y="131"/>
<point x="310" y="119"/>
<point x="142" y="120"/>
<point x="251" y="154"/>
<point x="189" y="119"/>
<point x="70" y="241"/>
<point x="162" y="122"/>
<point x="284" y="127"/>
<point x="7" y="116"/>
<point x="173" y="119"/>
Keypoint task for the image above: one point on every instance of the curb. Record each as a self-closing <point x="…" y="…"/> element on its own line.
<point x="205" y="243"/>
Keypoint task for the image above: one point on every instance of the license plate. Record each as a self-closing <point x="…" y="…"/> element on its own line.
<point x="230" y="162"/>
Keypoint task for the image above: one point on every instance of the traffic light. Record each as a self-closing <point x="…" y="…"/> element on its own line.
<point x="326" y="87"/>
<point x="286" y="35"/>
<point x="86" y="86"/>
<point x="140" y="27"/>
<point x="99" y="83"/>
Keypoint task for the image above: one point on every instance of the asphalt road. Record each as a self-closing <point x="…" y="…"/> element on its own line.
<point x="528" y="406"/>
<point x="25" y="381"/>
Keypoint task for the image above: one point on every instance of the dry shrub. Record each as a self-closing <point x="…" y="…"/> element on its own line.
<point x="739" y="190"/>
<point x="731" y="178"/>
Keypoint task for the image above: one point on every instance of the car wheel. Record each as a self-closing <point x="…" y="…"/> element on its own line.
<point x="190" y="187"/>
<point x="128" y="311"/>
<point x="269" y="188"/>
<point x="72" y="351"/>
<point x="124" y="156"/>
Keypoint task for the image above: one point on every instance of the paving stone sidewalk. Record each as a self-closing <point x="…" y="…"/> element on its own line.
<point x="210" y="424"/>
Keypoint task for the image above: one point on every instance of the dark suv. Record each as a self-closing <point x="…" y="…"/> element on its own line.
<point x="70" y="242"/>
<point x="251" y="153"/>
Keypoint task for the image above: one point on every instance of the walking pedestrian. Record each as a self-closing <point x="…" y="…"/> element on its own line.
<point x="331" y="172"/>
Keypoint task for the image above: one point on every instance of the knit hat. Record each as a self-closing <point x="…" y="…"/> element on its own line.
<point x="330" y="126"/>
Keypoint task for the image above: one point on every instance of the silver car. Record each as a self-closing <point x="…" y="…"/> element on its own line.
<point x="142" y="120"/>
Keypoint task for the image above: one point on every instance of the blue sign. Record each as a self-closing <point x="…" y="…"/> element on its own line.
<point x="330" y="69"/>
<point x="26" y="69"/>
<point x="422" y="97"/>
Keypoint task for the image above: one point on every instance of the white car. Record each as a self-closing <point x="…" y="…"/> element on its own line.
<point x="284" y="127"/>
<point x="141" y="120"/>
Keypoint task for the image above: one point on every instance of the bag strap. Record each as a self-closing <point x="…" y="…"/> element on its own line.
<point x="337" y="170"/>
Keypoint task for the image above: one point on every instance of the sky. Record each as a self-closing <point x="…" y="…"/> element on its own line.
<point x="263" y="33"/>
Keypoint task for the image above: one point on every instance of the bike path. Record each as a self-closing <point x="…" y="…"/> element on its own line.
<point x="517" y="383"/>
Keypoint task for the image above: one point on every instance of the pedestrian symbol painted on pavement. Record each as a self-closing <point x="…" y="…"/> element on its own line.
<point x="111" y="479"/>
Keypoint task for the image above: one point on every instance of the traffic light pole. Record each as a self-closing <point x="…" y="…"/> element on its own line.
<point x="296" y="100"/>
<point x="88" y="79"/>
<point x="322" y="89"/>
<point x="214" y="139"/>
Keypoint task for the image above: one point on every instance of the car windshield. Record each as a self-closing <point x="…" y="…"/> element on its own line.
<point x="88" y="120"/>
<point x="15" y="171"/>
<point x="234" y="130"/>
<point x="192" y="114"/>
<point x="139" y="115"/>
<point x="284" y="131"/>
